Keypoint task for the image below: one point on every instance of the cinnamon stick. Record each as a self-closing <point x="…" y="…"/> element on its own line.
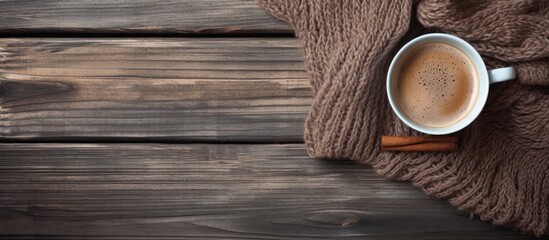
<point x="419" y="143"/>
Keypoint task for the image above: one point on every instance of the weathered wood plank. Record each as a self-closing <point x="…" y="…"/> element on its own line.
<point x="131" y="16"/>
<point x="153" y="89"/>
<point x="212" y="191"/>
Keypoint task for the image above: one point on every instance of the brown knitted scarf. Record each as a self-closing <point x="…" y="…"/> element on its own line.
<point x="501" y="171"/>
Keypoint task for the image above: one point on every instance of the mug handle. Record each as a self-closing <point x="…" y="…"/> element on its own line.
<point x="501" y="74"/>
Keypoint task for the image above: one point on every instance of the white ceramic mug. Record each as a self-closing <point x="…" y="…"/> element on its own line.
<point x="485" y="78"/>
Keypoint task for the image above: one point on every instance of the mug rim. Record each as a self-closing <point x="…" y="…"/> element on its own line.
<point x="481" y="72"/>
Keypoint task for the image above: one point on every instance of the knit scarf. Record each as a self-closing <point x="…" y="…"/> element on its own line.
<point x="501" y="171"/>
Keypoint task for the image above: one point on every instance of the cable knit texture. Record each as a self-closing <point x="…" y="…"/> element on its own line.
<point x="501" y="171"/>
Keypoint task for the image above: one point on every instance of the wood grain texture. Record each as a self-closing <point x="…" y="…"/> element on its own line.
<point x="137" y="16"/>
<point x="128" y="191"/>
<point x="160" y="89"/>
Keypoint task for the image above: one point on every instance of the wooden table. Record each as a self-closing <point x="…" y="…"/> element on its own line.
<point x="179" y="119"/>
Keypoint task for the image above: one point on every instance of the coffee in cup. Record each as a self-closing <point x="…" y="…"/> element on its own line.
<point x="436" y="84"/>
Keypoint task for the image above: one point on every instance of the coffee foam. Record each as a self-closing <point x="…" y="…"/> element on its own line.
<point x="436" y="84"/>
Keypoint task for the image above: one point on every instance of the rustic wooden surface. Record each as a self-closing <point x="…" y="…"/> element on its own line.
<point x="215" y="103"/>
<point x="229" y="89"/>
<point x="137" y="16"/>
<point x="244" y="191"/>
